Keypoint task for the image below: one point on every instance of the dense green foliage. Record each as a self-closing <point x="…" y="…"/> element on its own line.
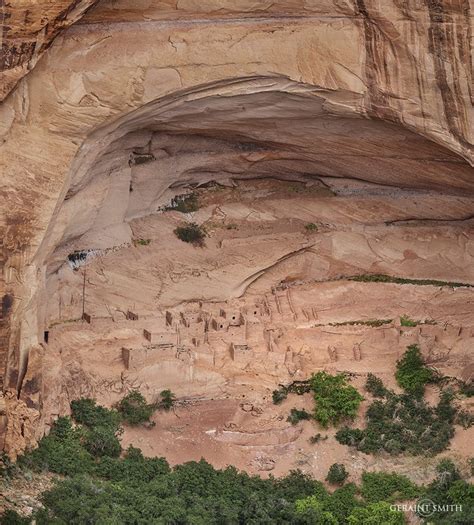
<point x="403" y="424"/>
<point x="412" y="374"/>
<point x="88" y="413"/>
<point x="337" y="474"/>
<point x="61" y="451"/>
<point x="374" y="385"/>
<point x="134" y="409"/>
<point x="191" y="233"/>
<point x="449" y="489"/>
<point x="385" y="486"/>
<point x="376" y="514"/>
<point x="336" y="401"/>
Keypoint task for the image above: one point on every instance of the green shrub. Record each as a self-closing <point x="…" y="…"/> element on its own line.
<point x="449" y="489"/>
<point x="184" y="203"/>
<point x="379" y="513"/>
<point x="278" y="396"/>
<point x="141" y="242"/>
<point x="324" y="508"/>
<point x="335" y="399"/>
<point x="406" y="321"/>
<point x="466" y="389"/>
<point x="403" y="424"/>
<point x="374" y="385"/>
<point x="102" y="441"/>
<point x="464" y="419"/>
<point x="374" y="323"/>
<point x="385" y="486"/>
<point x="88" y="413"/>
<point x="297" y="415"/>
<point x="311" y="227"/>
<point x="61" y="451"/>
<point x="337" y="474"/>
<point x="167" y="400"/>
<point x="412" y="374"/>
<point x="191" y="233"/>
<point x="134" y="409"/>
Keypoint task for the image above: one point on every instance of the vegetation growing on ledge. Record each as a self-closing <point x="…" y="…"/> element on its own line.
<point x="184" y="203"/>
<point x="311" y="227"/>
<point x="382" y="278"/>
<point x="412" y="374"/>
<point x="406" y="321"/>
<point x="191" y="233"/>
<point x="141" y="242"/>
<point x="297" y="387"/>
<point x="298" y="415"/>
<point x="336" y="401"/>
<point x="134" y="409"/>
<point x="374" y="385"/>
<point x="404" y="424"/>
<point x="371" y="322"/>
<point x="167" y="400"/>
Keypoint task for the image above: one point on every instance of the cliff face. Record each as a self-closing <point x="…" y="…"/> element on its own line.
<point x="372" y="91"/>
<point x="28" y="29"/>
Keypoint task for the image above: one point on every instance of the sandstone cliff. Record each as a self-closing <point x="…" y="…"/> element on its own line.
<point x="376" y="92"/>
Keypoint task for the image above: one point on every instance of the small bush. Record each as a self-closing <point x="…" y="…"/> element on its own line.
<point x="191" y="233"/>
<point x="406" y="321"/>
<point x="167" y="400"/>
<point x="466" y="389"/>
<point x="374" y="385"/>
<point x="335" y="399"/>
<point x="278" y="396"/>
<point x="465" y="419"/>
<point x="311" y="227"/>
<point x="337" y="474"/>
<point x="134" y="409"/>
<point x="317" y="438"/>
<point x="184" y="203"/>
<point x="412" y="374"/>
<point x="297" y="415"/>
<point x="141" y="242"/>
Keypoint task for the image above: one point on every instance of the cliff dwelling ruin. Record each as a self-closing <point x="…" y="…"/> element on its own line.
<point x="322" y="149"/>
